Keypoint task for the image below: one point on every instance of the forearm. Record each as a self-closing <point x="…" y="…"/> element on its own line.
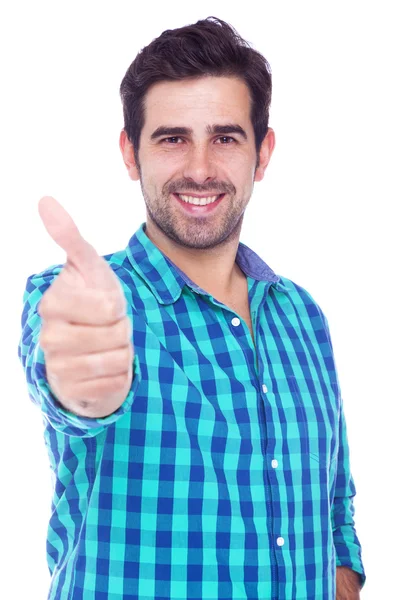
<point x="347" y="584"/>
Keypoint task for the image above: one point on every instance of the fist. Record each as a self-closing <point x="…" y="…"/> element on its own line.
<point x="86" y="335"/>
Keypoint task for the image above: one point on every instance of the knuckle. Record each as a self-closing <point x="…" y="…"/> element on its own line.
<point x="130" y="353"/>
<point x="43" y="306"/>
<point x="123" y="358"/>
<point x="122" y="331"/>
<point x="112" y="308"/>
<point x="49" y="297"/>
<point x="44" y="341"/>
<point x="46" y="338"/>
<point x="128" y="329"/>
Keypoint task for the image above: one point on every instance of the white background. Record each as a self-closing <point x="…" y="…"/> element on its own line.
<point x="324" y="215"/>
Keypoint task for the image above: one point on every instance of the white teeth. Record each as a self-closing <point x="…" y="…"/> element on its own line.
<point x="198" y="201"/>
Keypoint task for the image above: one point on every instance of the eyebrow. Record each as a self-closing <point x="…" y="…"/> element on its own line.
<point x="210" y="129"/>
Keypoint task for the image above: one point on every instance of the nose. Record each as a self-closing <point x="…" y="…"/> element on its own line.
<point x="199" y="165"/>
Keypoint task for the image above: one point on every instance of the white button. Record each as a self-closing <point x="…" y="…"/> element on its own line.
<point x="264" y="388"/>
<point x="274" y="463"/>
<point x="235" y="321"/>
<point x="280" y="541"/>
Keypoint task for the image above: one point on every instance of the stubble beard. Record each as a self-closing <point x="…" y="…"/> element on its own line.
<point x="194" y="233"/>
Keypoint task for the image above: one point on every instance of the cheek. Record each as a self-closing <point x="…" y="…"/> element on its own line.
<point x="241" y="176"/>
<point x="162" y="167"/>
<point x="240" y="167"/>
<point x="155" y="175"/>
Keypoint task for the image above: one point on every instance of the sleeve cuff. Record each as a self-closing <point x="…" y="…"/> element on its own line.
<point x="353" y="564"/>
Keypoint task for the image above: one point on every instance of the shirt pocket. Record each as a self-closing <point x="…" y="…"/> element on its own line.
<point x="318" y="420"/>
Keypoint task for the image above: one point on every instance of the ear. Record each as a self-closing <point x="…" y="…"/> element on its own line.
<point x="128" y="156"/>
<point x="266" y="150"/>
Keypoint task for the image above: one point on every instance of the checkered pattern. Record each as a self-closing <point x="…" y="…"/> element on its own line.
<point x="225" y="473"/>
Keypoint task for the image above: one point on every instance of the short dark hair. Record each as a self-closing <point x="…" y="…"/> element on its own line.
<point x="209" y="47"/>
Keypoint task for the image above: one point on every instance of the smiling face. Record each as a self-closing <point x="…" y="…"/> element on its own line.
<point x="197" y="140"/>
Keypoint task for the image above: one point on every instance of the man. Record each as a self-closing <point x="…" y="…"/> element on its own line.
<point x="192" y="410"/>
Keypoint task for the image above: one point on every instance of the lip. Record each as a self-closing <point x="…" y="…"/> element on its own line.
<point x="193" y="209"/>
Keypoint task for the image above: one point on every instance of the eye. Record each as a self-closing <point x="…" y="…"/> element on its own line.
<point x="224" y="137"/>
<point x="171" y="138"/>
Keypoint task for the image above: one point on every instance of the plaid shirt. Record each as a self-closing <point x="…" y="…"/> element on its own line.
<point x="225" y="473"/>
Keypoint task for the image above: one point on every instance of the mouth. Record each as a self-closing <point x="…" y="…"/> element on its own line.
<point x="198" y="208"/>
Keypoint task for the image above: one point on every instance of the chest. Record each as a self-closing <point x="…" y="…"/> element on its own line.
<point x="241" y="306"/>
<point x="243" y="310"/>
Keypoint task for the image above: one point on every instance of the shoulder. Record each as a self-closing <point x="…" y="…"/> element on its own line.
<point x="299" y="295"/>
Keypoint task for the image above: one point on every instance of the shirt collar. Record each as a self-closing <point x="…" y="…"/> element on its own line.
<point x="166" y="280"/>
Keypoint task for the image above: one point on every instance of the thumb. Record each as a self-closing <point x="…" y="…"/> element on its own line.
<point x="82" y="255"/>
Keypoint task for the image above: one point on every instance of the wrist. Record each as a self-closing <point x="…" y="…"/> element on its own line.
<point x="348" y="584"/>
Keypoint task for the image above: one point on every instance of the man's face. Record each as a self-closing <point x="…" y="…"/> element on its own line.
<point x="201" y="162"/>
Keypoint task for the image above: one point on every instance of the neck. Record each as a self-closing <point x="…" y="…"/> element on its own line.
<point x="212" y="269"/>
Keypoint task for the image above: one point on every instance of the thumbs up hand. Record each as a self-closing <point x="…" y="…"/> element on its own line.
<point x="86" y="335"/>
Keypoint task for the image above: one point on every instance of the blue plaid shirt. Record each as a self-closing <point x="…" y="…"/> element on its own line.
<point x="225" y="473"/>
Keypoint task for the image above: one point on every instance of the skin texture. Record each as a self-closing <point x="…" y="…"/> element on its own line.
<point x="203" y="246"/>
<point x="347" y="584"/>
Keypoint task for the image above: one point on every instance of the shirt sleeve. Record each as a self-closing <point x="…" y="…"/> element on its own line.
<point x="347" y="545"/>
<point x="33" y="362"/>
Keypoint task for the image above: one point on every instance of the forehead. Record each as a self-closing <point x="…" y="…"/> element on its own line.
<point x="207" y="98"/>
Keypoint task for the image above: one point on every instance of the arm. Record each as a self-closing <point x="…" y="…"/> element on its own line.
<point x="348" y="584"/>
<point x="348" y="549"/>
<point x="349" y="566"/>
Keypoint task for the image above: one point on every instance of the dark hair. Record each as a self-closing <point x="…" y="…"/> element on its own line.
<point x="208" y="47"/>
